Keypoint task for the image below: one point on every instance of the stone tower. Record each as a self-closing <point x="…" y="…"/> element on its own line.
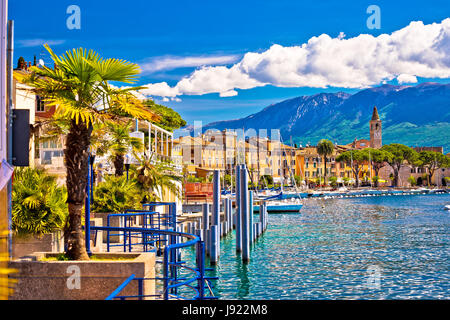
<point x="375" y="130"/>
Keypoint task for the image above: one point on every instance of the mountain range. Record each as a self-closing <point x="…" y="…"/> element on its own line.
<point x="412" y="115"/>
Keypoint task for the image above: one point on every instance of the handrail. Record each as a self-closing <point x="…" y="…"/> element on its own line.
<point x="169" y="258"/>
<point x="120" y="288"/>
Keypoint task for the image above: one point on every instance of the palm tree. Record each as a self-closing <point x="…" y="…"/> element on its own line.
<point x="119" y="142"/>
<point x="79" y="89"/>
<point x="154" y="178"/>
<point x="325" y="148"/>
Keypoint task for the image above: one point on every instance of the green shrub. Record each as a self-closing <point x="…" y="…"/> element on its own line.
<point x="38" y="203"/>
<point x="412" y="181"/>
<point x="116" y="194"/>
<point x="333" y="181"/>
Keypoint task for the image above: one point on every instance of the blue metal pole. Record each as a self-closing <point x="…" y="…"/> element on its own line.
<point x="215" y="219"/>
<point x="205" y="209"/>
<point x="238" y="209"/>
<point x="214" y="244"/>
<point x="166" y="274"/>
<point x="250" y="214"/>
<point x="201" y="269"/>
<point x="245" y="216"/>
<point x="87" y="209"/>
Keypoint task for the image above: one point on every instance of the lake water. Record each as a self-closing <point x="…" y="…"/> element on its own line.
<point x="388" y="247"/>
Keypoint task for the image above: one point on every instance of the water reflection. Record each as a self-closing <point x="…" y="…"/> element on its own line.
<point x="324" y="252"/>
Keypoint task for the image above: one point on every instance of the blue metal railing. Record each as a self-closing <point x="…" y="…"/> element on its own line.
<point x="158" y="234"/>
<point x="116" y="292"/>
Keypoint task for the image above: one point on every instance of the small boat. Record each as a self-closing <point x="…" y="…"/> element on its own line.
<point x="447" y="207"/>
<point x="282" y="206"/>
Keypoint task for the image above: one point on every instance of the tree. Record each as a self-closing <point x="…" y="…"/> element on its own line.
<point x="118" y="142"/>
<point x="379" y="158"/>
<point x="401" y="155"/>
<point x="325" y="148"/>
<point x="21" y="63"/>
<point x="38" y="203"/>
<point x="355" y="159"/>
<point x="154" y="178"/>
<point x="169" y="118"/>
<point x="79" y="89"/>
<point x="432" y="161"/>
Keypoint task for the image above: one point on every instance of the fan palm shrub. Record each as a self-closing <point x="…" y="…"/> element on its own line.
<point x="118" y="142"/>
<point x="116" y="194"/>
<point x="155" y="178"/>
<point x="38" y="203"/>
<point x="78" y="86"/>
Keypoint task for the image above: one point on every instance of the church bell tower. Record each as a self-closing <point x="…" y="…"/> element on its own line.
<point x="375" y="130"/>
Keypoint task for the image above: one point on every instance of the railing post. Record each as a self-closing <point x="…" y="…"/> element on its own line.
<point x="166" y="274"/>
<point x="201" y="269"/>
<point x="140" y="288"/>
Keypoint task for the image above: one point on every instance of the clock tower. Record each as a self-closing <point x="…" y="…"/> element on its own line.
<point x="375" y="130"/>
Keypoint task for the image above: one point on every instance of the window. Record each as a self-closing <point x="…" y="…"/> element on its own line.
<point x="40" y="106"/>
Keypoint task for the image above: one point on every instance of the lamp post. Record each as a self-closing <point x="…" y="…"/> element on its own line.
<point x="92" y="160"/>
<point x="127" y="164"/>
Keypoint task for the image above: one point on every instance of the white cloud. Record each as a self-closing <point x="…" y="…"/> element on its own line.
<point x="406" y="78"/>
<point x="230" y="93"/>
<point x="417" y="50"/>
<point x="39" y="42"/>
<point x="173" y="62"/>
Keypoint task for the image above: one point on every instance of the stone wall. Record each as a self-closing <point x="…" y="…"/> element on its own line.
<point x="53" y="280"/>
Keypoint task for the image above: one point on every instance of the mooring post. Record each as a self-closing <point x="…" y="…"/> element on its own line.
<point x="245" y="230"/>
<point x="205" y="220"/>
<point x="215" y="217"/>
<point x="261" y="212"/>
<point x="266" y="216"/>
<point x="214" y="244"/>
<point x="238" y="209"/>
<point x="230" y="215"/>
<point x="250" y="214"/>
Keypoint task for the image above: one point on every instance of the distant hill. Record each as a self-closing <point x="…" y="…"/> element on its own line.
<point x="413" y="115"/>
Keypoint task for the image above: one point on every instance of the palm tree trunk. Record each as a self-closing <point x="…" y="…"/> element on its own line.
<point x="76" y="160"/>
<point x="118" y="165"/>
<point x="377" y="171"/>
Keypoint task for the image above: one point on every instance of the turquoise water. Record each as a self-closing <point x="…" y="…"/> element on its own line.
<point x="392" y="247"/>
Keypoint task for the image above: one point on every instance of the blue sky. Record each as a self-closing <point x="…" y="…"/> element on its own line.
<point x="173" y="39"/>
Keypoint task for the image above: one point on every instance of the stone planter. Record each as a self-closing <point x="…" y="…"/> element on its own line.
<point x="57" y="280"/>
<point x="24" y="246"/>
